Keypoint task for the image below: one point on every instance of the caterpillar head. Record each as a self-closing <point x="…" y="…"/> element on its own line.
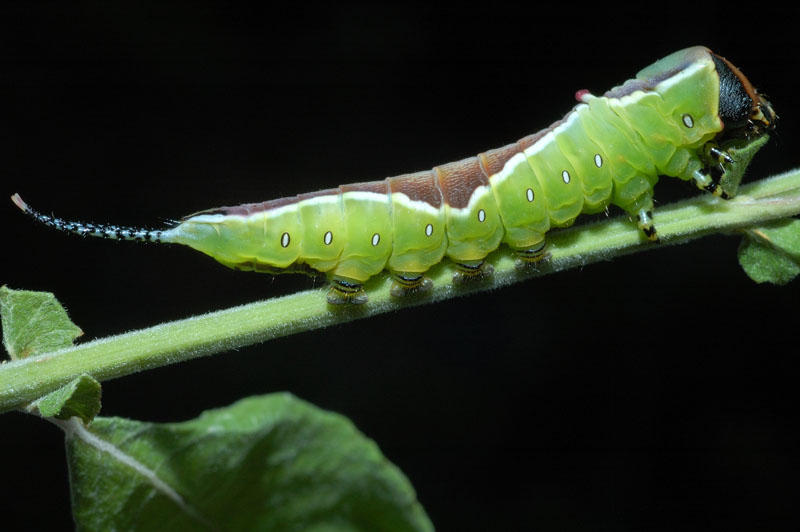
<point x="745" y="112"/>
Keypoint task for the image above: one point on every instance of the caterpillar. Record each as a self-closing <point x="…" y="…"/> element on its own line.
<point x="678" y="117"/>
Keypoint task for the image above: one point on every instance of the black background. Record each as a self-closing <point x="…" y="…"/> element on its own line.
<point x="657" y="391"/>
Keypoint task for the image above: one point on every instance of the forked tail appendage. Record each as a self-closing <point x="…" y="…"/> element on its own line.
<point x="112" y="232"/>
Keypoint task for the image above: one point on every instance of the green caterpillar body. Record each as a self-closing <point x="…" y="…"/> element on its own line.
<point x="673" y="119"/>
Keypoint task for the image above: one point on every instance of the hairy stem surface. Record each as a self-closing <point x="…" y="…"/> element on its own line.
<point x="25" y="380"/>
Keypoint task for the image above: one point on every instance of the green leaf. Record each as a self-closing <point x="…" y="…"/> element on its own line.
<point x="264" y="463"/>
<point x="771" y="253"/>
<point x="80" y="398"/>
<point x="34" y="323"/>
<point x="742" y="152"/>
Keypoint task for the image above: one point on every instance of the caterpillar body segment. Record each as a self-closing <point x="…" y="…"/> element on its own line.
<point x="676" y="118"/>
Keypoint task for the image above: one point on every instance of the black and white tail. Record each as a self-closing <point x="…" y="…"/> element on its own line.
<point x="112" y="232"/>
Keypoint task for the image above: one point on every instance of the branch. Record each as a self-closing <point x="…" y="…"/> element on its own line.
<point x="25" y="380"/>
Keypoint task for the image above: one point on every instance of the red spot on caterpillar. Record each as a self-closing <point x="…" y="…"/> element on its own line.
<point x="579" y="95"/>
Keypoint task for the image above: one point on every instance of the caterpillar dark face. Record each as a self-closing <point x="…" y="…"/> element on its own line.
<point x="679" y="117"/>
<point x="743" y="111"/>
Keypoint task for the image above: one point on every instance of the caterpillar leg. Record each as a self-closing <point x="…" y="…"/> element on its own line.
<point x="406" y="284"/>
<point x="713" y="152"/>
<point x="645" y="221"/>
<point x="530" y="256"/>
<point x="474" y="270"/>
<point x="703" y="180"/>
<point x="716" y="157"/>
<point x="346" y="293"/>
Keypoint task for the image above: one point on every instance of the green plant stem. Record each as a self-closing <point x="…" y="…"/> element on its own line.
<point x="26" y="380"/>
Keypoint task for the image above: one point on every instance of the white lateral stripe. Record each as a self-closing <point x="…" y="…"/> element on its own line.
<point x="319" y="200"/>
<point x="477" y="195"/>
<point x="540" y="144"/>
<point x="634" y="97"/>
<point x="366" y="196"/>
<point x="280" y="211"/>
<point x="415" y="205"/>
<point x="219" y="218"/>
<point x="685" y="73"/>
<point x="508" y="168"/>
<point x="630" y="99"/>
<point x="569" y="121"/>
<point x="207" y="218"/>
<point x="571" y="118"/>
